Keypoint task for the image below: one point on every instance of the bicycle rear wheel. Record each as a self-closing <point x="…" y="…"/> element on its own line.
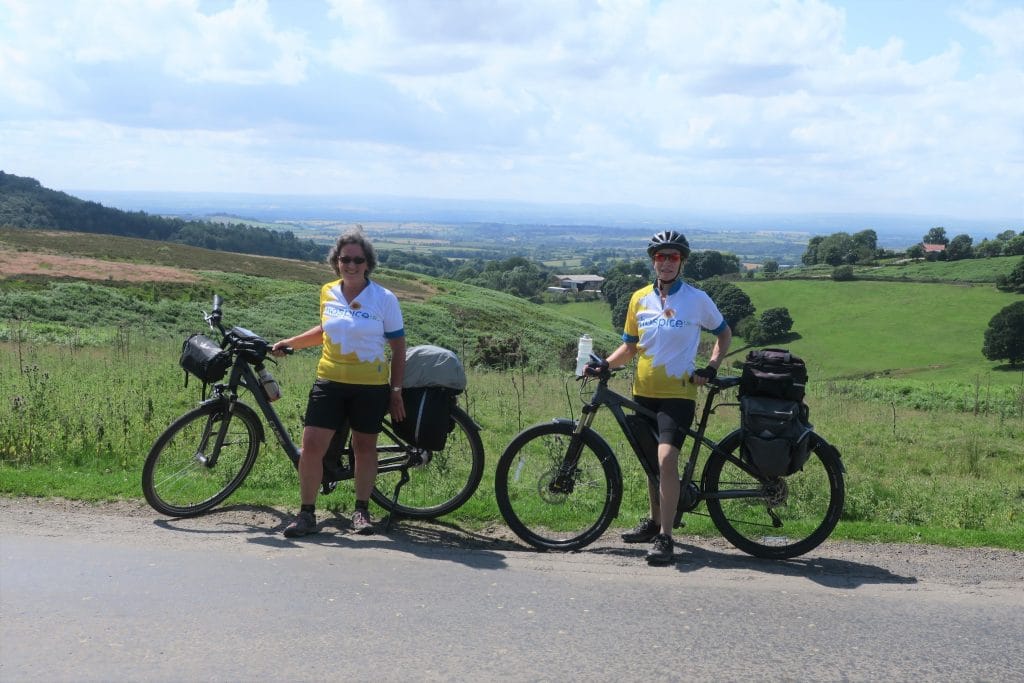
<point x="444" y="483"/>
<point x="545" y="505"/>
<point x="186" y="473"/>
<point x="788" y="516"/>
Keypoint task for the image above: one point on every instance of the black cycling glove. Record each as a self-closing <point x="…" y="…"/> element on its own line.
<point x="595" y="368"/>
<point x="709" y="373"/>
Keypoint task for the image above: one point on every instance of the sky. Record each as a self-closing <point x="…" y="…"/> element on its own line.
<point x="911" y="107"/>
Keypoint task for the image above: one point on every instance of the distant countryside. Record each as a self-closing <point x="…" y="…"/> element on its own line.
<point x="914" y="343"/>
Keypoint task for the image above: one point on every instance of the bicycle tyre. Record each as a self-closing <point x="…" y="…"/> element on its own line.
<point x="557" y="521"/>
<point x="174" y="479"/>
<point x="808" y="503"/>
<point x="445" y="483"/>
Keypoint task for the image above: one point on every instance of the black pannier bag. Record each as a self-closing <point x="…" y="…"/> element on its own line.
<point x="776" y="434"/>
<point x="204" y="359"/>
<point x="434" y="376"/>
<point x="773" y="372"/>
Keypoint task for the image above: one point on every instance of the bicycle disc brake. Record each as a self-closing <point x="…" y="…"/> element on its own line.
<point x="554" y="487"/>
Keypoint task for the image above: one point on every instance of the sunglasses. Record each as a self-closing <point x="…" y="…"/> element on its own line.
<point x="358" y="260"/>
<point x="672" y="256"/>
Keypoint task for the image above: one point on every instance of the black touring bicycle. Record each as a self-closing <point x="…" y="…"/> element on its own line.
<point x="770" y="493"/>
<point x="206" y="454"/>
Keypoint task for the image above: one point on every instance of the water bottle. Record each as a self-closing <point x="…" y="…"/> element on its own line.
<point x="270" y="387"/>
<point x="583" y="351"/>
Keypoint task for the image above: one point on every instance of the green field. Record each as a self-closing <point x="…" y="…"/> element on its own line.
<point x="930" y="431"/>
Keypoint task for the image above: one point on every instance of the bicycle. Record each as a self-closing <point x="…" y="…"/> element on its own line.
<point x="206" y="454"/>
<point x="559" y="484"/>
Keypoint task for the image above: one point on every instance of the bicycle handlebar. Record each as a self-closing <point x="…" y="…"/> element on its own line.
<point x="606" y="373"/>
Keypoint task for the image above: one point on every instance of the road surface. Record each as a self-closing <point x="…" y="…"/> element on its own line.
<point x="118" y="593"/>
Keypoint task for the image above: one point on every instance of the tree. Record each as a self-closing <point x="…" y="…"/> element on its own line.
<point x="1004" y="338"/>
<point x="810" y="256"/>
<point x="732" y="301"/>
<point x="770" y="268"/>
<point x="1014" y="282"/>
<point x="1014" y="246"/>
<point x="704" y="264"/>
<point x="915" y="251"/>
<point x="959" y="248"/>
<point x="988" y="248"/>
<point x="750" y="329"/>
<point x="776" y="323"/>
<point x="935" y="236"/>
<point x="842" y="273"/>
<point x="866" y="245"/>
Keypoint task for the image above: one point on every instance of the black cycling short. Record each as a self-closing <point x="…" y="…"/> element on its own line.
<point x="675" y="415"/>
<point x="332" y="405"/>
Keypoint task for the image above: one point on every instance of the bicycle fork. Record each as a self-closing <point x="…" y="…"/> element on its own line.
<point x="565" y="478"/>
<point x="207" y="457"/>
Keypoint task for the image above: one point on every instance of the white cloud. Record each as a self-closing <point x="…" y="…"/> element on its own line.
<point x="763" y="104"/>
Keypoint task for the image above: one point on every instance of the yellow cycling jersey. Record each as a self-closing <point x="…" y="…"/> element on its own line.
<point x="667" y="335"/>
<point x="356" y="333"/>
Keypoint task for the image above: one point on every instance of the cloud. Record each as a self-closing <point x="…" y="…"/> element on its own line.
<point x="757" y="104"/>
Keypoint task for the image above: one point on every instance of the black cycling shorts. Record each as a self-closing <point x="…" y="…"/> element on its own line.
<point x="675" y="415"/>
<point x="332" y="405"/>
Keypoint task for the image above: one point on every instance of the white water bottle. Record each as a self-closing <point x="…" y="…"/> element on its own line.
<point x="583" y="351"/>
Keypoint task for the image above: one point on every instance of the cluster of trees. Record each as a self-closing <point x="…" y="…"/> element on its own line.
<point x="25" y="203"/>
<point x="842" y="248"/>
<point x="1006" y="243"/>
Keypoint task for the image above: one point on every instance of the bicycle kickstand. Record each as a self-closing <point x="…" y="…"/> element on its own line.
<point x="394" y="497"/>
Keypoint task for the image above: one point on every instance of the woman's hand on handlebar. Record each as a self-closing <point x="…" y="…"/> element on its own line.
<point x="281" y="349"/>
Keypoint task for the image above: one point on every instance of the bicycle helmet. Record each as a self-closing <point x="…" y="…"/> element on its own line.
<point x="668" y="239"/>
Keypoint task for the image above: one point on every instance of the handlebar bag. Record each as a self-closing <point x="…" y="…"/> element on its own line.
<point x="204" y="359"/>
<point x="776" y="435"/>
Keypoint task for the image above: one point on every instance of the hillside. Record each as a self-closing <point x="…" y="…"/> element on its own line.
<point x="26" y="204"/>
<point x="160" y="289"/>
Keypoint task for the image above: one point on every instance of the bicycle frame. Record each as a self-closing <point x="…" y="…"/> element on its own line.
<point x="689" y="494"/>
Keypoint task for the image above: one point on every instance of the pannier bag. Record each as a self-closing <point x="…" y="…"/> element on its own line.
<point x="434" y="376"/>
<point x="204" y="359"/>
<point x="773" y="372"/>
<point x="776" y="434"/>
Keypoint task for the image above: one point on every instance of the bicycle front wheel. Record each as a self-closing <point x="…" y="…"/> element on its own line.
<point x="186" y="473"/>
<point x="550" y="502"/>
<point x="448" y="479"/>
<point x="776" y="518"/>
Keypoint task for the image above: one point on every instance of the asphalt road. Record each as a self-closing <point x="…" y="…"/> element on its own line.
<point x="116" y="593"/>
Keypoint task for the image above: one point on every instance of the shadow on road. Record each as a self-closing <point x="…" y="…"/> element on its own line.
<point x="448" y="542"/>
<point x="827" y="571"/>
<point x="427" y="539"/>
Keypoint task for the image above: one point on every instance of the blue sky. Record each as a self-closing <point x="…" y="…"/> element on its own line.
<point x="752" y="106"/>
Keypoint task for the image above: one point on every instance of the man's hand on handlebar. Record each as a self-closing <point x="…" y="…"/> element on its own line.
<point x="704" y="375"/>
<point x="596" y="367"/>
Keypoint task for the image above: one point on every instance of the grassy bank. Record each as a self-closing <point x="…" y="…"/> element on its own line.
<point x="78" y="422"/>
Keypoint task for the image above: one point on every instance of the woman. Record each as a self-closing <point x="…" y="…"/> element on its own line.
<point x="663" y="325"/>
<point x="354" y="383"/>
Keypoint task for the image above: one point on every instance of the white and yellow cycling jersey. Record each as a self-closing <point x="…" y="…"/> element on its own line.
<point x="667" y="336"/>
<point x="356" y="334"/>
